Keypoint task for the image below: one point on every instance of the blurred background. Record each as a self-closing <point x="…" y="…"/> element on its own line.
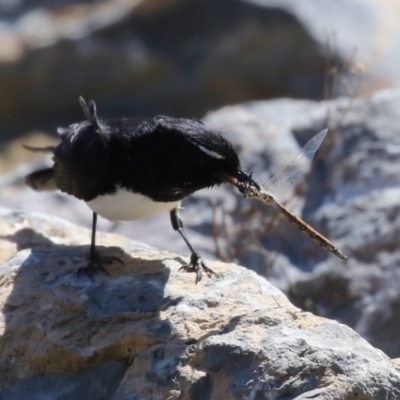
<point x="182" y="58"/>
<point x="269" y="74"/>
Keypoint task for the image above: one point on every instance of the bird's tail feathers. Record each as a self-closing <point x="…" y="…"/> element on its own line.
<point x="42" y="180"/>
<point x="47" y="149"/>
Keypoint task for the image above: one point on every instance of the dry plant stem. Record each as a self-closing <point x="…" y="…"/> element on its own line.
<point x="215" y="234"/>
<point x="252" y="235"/>
<point x="232" y="252"/>
<point x="334" y="77"/>
<point x="271" y="260"/>
<point x="328" y="66"/>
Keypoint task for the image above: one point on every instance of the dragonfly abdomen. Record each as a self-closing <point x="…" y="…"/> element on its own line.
<point x="306" y="229"/>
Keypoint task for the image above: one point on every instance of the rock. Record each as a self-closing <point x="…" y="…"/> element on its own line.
<point x="184" y="58"/>
<point x="149" y="332"/>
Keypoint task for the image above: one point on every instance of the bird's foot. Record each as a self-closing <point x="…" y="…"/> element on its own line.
<point x="197" y="265"/>
<point x="96" y="266"/>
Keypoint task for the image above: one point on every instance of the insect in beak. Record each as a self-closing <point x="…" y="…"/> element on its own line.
<point x="249" y="188"/>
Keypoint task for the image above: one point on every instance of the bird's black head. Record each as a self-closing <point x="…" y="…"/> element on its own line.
<point x="216" y="153"/>
<point x="223" y="163"/>
<point x="208" y="159"/>
<point x="191" y="155"/>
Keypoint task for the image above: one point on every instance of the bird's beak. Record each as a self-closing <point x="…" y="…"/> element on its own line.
<point x="241" y="180"/>
<point x="229" y="178"/>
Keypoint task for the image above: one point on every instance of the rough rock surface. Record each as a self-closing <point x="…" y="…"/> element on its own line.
<point x="148" y="332"/>
<point x="184" y="57"/>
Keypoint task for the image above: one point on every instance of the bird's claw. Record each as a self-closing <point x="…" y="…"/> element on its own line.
<point x="95" y="265"/>
<point x="197" y="265"/>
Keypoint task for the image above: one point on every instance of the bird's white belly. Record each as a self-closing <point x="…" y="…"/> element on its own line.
<point x="127" y="206"/>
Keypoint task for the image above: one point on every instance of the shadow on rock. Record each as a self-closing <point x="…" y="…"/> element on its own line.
<point x="83" y="333"/>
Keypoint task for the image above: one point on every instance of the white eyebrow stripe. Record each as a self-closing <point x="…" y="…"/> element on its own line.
<point x="209" y="152"/>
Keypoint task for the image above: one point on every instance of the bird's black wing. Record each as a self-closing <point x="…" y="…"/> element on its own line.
<point x="80" y="161"/>
<point x="168" y="158"/>
<point x="162" y="158"/>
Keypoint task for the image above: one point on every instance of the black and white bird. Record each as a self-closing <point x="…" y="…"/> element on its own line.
<point x="128" y="169"/>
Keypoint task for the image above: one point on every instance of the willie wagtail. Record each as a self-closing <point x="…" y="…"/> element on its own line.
<point x="128" y="169"/>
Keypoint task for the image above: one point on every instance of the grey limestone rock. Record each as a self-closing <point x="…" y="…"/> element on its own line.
<point x="149" y="332"/>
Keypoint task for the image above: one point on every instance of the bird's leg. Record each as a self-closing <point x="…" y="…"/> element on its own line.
<point x="197" y="264"/>
<point x="95" y="264"/>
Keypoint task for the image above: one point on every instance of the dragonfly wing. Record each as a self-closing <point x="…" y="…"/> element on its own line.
<point x="287" y="178"/>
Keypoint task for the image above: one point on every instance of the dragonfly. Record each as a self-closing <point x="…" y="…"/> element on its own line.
<point x="288" y="177"/>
